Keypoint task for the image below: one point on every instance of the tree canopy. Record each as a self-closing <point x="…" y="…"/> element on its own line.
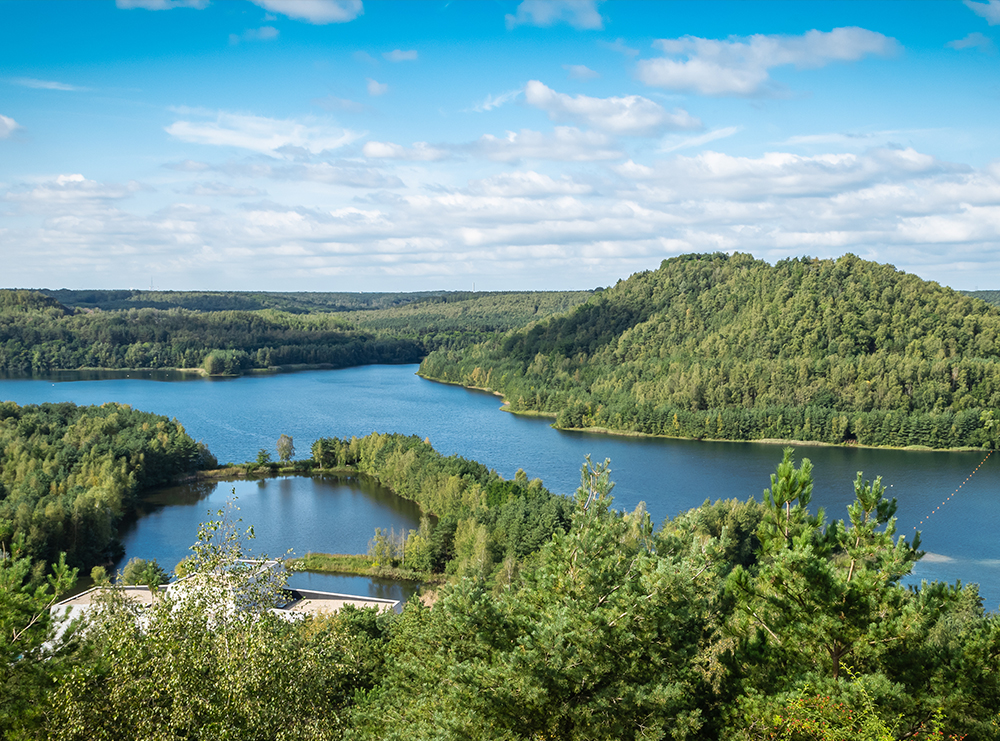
<point x="729" y="347"/>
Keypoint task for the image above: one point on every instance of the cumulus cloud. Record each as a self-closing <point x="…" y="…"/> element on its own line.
<point x="580" y="72"/>
<point x="630" y="114"/>
<point x="740" y="66"/>
<point x="490" y="102"/>
<point x="376" y="88"/>
<point x="419" y="152"/>
<point x="264" y="33"/>
<point x="714" y="174"/>
<point x="988" y="10"/>
<point x="7" y="126"/>
<point x="974" y="40"/>
<point x="542" y="228"/>
<point x="317" y="12"/>
<point x="71" y="189"/>
<point x="565" y="143"/>
<point x="46" y="84"/>
<point x="161" y="4"/>
<point x="580" y="14"/>
<point x="398" y="55"/>
<point x="527" y="183"/>
<point x="259" y="134"/>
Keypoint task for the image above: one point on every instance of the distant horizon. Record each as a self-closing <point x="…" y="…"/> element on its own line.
<point x="400" y="147"/>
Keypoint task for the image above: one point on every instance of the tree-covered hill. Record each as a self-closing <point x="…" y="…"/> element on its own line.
<point x="38" y="334"/>
<point x="69" y="474"/>
<point x="719" y="346"/>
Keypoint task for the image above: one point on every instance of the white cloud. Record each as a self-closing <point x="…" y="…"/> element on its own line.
<point x="988" y="10"/>
<point x="630" y="114"/>
<point x="974" y="40"/>
<point x="419" y="152"/>
<point x="580" y="72"/>
<point x="740" y="66"/>
<point x="398" y="55"/>
<point x="363" y="56"/>
<point x="259" y="134"/>
<point x="7" y="126"/>
<point x="46" y="84"/>
<point x="489" y="102"/>
<point x="161" y="4"/>
<point x="527" y="184"/>
<point x="717" y="175"/>
<point x="317" y="12"/>
<point x="264" y="33"/>
<point x="580" y="14"/>
<point x="376" y="88"/>
<point x="565" y="143"/>
<point x="673" y="142"/>
<point x="542" y="229"/>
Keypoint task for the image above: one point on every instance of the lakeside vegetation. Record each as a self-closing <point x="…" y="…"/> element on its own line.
<point x="728" y="347"/>
<point x="739" y="621"/>
<point x="230" y="333"/>
<point x="69" y="474"/>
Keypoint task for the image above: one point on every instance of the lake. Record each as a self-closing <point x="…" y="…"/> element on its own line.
<point x="237" y="417"/>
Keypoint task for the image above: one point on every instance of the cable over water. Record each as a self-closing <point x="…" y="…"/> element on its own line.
<point x="948" y="499"/>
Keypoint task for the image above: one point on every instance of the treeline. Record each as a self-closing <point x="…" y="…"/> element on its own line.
<point x="68" y="474"/>
<point x="719" y="346"/>
<point x="738" y="621"/>
<point x="483" y="526"/>
<point x="291" y="302"/>
<point x="38" y="335"/>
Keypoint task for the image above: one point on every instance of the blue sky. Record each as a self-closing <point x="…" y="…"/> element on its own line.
<point x="335" y="145"/>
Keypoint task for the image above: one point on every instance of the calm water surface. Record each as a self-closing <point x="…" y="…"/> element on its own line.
<point x="237" y="417"/>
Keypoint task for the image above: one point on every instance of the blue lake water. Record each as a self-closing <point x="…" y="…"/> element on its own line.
<point x="237" y="417"/>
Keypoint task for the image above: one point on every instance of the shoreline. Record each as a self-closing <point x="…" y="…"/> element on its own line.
<point x="505" y="407"/>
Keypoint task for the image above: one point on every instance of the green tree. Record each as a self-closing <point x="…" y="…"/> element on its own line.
<point x="211" y="661"/>
<point x="28" y="668"/>
<point x="143" y="572"/>
<point x="285" y="448"/>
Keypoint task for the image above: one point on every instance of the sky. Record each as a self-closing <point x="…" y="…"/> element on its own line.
<point x="341" y="145"/>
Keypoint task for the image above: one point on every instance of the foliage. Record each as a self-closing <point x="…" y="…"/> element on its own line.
<point x="482" y="520"/>
<point x="729" y="347"/>
<point x="143" y="572"/>
<point x="209" y="660"/>
<point x="28" y="671"/>
<point x="231" y="333"/>
<point x="286" y="448"/>
<point x="68" y="474"/>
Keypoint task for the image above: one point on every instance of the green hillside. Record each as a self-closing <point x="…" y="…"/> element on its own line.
<point x="231" y="333"/>
<point x="729" y="347"/>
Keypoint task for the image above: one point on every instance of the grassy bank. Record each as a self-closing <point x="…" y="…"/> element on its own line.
<point x="358" y="565"/>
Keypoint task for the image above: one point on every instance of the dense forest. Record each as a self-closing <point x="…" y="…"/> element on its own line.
<point x="740" y="621"/>
<point x="483" y="525"/>
<point x="69" y="474"/>
<point x="729" y="347"/>
<point x="38" y="334"/>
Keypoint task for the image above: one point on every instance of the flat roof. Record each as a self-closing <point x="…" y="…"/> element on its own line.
<point x="138" y="594"/>
<point x="302" y="600"/>
<point x="319" y="603"/>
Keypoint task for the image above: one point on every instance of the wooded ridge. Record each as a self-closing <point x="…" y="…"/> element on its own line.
<point x="729" y="347"/>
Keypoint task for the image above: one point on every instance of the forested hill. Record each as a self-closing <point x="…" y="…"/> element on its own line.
<point x="39" y="334"/>
<point x="729" y="347"/>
